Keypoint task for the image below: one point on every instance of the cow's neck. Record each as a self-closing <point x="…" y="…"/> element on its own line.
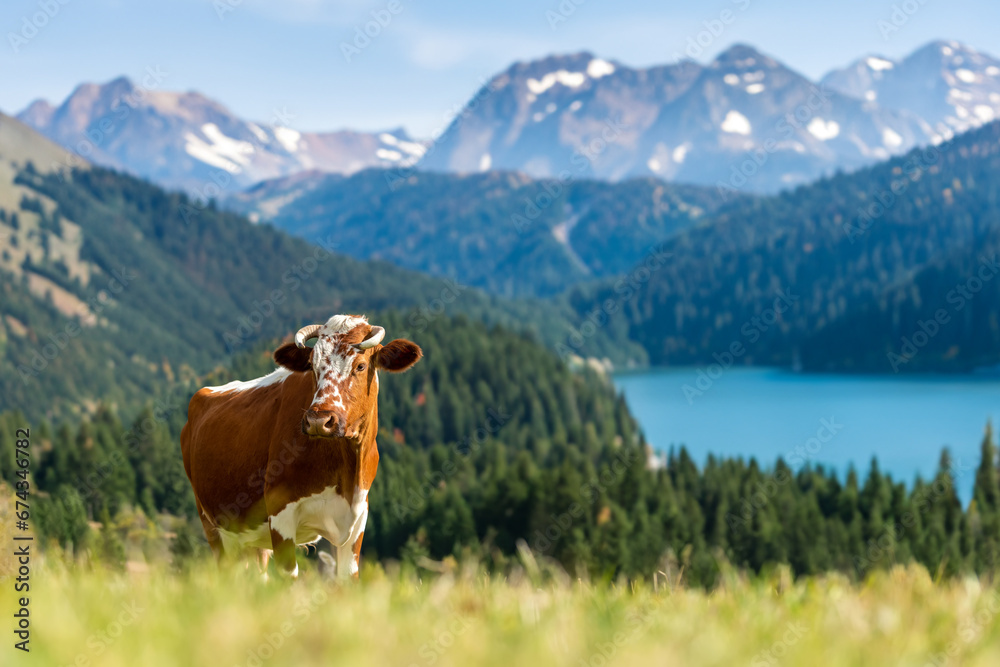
<point x="361" y="455"/>
<point x="367" y="452"/>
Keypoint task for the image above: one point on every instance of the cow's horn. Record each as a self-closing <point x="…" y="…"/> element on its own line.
<point x="305" y="333"/>
<point x="374" y="338"/>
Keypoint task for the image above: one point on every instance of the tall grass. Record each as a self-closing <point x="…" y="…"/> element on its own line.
<point x="208" y="616"/>
<point x="84" y="612"/>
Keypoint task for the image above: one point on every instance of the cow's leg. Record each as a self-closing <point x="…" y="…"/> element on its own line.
<point x="348" y="559"/>
<point x="263" y="556"/>
<point x="282" y="521"/>
<point x="211" y="532"/>
<point x="346" y="567"/>
<point x="356" y="554"/>
<point x="283" y="551"/>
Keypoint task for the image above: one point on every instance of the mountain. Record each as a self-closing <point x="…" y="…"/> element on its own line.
<point x="951" y="86"/>
<point x="779" y="277"/>
<point x="189" y="141"/>
<point x="744" y="122"/>
<point x="683" y="122"/>
<point x="503" y="232"/>
<point x="114" y="289"/>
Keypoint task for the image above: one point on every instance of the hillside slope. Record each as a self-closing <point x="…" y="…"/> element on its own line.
<point x="945" y="318"/>
<point x="113" y="288"/>
<point x="804" y="259"/>
<point x="501" y="231"/>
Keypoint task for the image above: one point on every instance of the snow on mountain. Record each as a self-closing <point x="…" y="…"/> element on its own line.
<point x="950" y="86"/>
<point x="583" y="116"/>
<point x="743" y="121"/>
<point x="185" y="140"/>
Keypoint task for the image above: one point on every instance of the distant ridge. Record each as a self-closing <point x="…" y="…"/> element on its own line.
<point x="187" y="140"/>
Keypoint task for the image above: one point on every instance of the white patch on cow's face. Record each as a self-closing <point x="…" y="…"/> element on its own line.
<point x="333" y="362"/>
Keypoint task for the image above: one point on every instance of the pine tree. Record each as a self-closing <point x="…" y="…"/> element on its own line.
<point x="984" y="514"/>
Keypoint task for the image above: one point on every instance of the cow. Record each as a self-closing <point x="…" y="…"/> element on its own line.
<point x="289" y="458"/>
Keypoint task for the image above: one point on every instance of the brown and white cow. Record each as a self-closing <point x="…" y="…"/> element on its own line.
<point x="288" y="458"/>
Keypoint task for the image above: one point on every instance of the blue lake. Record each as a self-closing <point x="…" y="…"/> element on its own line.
<point x="835" y="420"/>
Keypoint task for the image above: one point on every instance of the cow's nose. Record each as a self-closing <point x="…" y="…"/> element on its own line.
<point x="321" y="423"/>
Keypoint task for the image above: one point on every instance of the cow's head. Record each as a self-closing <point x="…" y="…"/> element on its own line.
<point x="345" y="362"/>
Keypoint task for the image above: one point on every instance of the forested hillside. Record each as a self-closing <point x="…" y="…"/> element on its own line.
<point x="113" y="289"/>
<point x="491" y="439"/>
<point x="501" y="231"/>
<point x="771" y="274"/>
<point x="946" y="318"/>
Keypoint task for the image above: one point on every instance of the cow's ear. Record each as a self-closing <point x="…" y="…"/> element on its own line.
<point x="398" y="356"/>
<point x="294" y="358"/>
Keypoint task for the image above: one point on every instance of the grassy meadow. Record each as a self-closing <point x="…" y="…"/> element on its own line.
<point x="208" y="616"/>
<point x="153" y="613"/>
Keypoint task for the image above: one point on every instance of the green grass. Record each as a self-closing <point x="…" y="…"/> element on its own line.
<point x="83" y="613"/>
<point x="231" y="617"/>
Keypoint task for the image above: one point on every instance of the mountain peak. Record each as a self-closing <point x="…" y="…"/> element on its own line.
<point x="37" y="114"/>
<point x="183" y="139"/>
<point x="579" y="62"/>
<point x="743" y="56"/>
<point x="560" y="60"/>
<point x="945" y="48"/>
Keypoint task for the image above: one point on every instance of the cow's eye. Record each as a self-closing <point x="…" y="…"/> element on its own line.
<point x="360" y="368"/>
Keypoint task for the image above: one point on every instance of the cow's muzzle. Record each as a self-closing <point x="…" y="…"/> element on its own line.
<point x="325" y="424"/>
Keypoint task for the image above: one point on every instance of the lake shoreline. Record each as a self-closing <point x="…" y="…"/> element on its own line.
<point x="902" y="420"/>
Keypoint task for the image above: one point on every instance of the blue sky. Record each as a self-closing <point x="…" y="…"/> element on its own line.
<point x="430" y="57"/>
